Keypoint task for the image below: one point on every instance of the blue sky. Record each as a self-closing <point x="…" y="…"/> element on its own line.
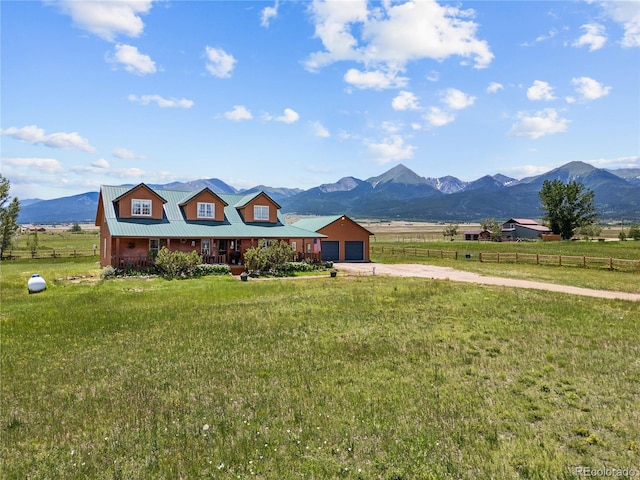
<point x="296" y="94"/>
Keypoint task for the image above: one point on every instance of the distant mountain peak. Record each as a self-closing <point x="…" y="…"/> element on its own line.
<point x="398" y="174"/>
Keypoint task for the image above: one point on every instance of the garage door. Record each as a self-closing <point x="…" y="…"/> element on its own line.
<point x="330" y="250"/>
<point x="354" y="251"/>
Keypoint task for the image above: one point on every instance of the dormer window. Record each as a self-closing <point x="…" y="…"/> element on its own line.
<point x="206" y="210"/>
<point x="141" y="208"/>
<point x="261" y="212"/>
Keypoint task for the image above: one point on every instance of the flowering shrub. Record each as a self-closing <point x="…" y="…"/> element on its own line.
<point x="204" y="269"/>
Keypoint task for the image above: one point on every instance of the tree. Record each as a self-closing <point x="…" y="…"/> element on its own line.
<point x="450" y="230"/>
<point x="590" y="231"/>
<point x="8" y="216"/>
<point x="567" y="206"/>
<point x="634" y="231"/>
<point x="492" y="226"/>
<point x="75" y="228"/>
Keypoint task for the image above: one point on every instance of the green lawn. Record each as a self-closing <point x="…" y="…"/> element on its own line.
<point x="362" y="377"/>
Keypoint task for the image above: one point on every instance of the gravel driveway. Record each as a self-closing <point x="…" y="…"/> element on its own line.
<point x="448" y="273"/>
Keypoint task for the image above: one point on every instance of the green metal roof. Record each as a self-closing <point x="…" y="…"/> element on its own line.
<point x="174" y="225"/>
<point x="316" y="223"/>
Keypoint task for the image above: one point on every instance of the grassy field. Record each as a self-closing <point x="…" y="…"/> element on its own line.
<point x="362" y="377"/>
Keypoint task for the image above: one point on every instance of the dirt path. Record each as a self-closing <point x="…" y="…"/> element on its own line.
<point x="448" y="273"/>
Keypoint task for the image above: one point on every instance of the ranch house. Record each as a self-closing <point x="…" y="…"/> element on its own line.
<point x="136" y="222"/>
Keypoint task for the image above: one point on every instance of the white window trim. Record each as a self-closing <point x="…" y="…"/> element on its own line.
<point x="213" y="210"/>
<point x="152" y="249"/>
<point x="258" y="213"/>
<point x="142" y="202"/>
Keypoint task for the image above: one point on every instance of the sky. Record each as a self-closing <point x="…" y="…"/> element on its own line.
<point x="301" y="93"/>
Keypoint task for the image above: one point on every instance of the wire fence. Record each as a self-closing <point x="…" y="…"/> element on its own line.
<point x="608" y="263"/>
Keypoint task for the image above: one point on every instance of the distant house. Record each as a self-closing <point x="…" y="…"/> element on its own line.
<point x="523" y="228"/>
<point x="344" y="240"/>
<point x="136" y="222"/>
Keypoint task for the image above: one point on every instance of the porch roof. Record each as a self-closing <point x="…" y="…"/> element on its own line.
<point x="174" y="225"/>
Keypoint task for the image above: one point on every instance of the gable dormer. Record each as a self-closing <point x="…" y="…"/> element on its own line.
<point x="203" y="205"/>
<point x="140" y="202"/>
<point x="258" y="208"/>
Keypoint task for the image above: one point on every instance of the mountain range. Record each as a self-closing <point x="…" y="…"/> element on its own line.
<point x="399" y="193"/>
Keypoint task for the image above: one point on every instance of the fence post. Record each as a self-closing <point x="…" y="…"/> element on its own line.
<point x="498" y="257"/>
<point x="560" y="260"/>
<point x="480" y="257"/>
<point x="584" y="262"/>
<point x="456" y="254"/>
<point x="610" y="263"/>
<point x="516" y="257"/>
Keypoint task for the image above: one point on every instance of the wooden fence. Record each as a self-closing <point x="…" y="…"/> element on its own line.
<point x="51" y="253"/>
<point x="521" y="258"/>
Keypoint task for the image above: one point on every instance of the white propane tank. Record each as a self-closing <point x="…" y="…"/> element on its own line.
<point x="36" y="283"/>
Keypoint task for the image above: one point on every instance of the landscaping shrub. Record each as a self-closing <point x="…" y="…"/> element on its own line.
<point x="204" y="269"/>
<point x="176" y="264"/>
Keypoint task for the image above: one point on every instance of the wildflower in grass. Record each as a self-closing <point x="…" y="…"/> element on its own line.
<point x="205" y="427"/>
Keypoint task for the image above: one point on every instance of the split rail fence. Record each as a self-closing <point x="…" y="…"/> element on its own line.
<point x="617" y="264"/>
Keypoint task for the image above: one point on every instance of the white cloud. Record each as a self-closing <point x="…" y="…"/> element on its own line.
<point x="405" y="101"/>
<point x="389" y="150"/>
<point x="320" y="130"/>
<point x="594" y="37"/>
<point x="621" y="162"/>
<point x="219" y="63"/>
<point x="626" y="13"/>
<point x="267" y="14"/>
<point x="376" y="79"/>
<point x="107" y="19"/>
<point x="289" y="116"/>
<point x="392" y="34"/>
<point x="438" y="117"/>
<point x="126" y="154"/>
<point x="48" y="165"/>
<point x="545" y="122"/>
<point x="100" y="163"/>
<point x="238" y="113"/>
<point x="540" y="91"/>
<point x="494" y="87"/>
<point x="161" y="101"/>
<point x="589" y="88"/>
<point x="34" y="135"/>
<point x="456" y="99"/>
<point x="132" y="60"/>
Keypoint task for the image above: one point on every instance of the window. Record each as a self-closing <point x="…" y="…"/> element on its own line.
<point x="154" y="246"/>
<point x="294" y="246"/>
<point x="204" y="249"/>
<point x="206" y="210"/>
<point x="141" y="207"/>
<point x="261" y="212"/>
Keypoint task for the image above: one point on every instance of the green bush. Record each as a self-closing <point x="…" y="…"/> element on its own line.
<point x="300" y="267"/>
<point x="176" y="264"/>
<point x="203" y="269"/>
<point x="270" y="257"/>
<point x="108" y="272"/>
